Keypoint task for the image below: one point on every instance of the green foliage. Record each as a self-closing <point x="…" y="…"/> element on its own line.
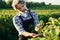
<point x="51" y="26"/>
<point x="33" y="5"/>
<point x="51" y="31"/>
<point x="4" y="5"/>
<point x="7" y="31"/>
<point x="30" y="5"/>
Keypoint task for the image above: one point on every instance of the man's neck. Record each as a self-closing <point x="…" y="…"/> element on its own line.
<point x="22" y="12"/>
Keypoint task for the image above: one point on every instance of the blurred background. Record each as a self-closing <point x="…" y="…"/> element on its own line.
<point x="45" y="9"/>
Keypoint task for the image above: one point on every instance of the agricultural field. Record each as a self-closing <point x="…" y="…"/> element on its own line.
<point x="41" y="12"/>
<point x="50" y="20"/>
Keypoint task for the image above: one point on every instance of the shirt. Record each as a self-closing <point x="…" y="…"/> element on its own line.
<point x="18" y="22"/>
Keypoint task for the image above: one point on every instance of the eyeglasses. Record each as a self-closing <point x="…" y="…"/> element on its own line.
<point x="22" y="2"/>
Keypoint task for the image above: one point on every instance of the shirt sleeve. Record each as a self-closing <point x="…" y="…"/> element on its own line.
<point x="18" y="25"/>
<point x="36" y="20"/>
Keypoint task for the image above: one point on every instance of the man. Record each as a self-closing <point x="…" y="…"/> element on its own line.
<point x="24" y="19"/>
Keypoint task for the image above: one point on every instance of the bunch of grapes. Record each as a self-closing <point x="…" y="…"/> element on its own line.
<point x="51" y="31"/>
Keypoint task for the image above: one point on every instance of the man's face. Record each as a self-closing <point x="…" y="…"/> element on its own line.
<point x="20" y="7"/>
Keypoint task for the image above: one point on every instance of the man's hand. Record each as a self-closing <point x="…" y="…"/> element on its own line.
<point x="38" y="27"/>
<point x="34" y="35"/>
<point x="27" y="34"/>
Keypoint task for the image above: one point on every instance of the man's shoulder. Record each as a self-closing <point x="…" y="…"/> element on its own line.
<point x="33" y="13"/>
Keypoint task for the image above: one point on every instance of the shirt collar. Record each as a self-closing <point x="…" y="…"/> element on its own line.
<point x="22" y="13"/>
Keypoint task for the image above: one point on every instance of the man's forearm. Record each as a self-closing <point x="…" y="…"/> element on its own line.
<point x="27" y="34"/>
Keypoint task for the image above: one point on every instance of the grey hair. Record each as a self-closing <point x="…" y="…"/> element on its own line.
<point x="18" y="1"/>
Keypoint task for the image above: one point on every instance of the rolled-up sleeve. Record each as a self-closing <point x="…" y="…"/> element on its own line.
<point x="18" y="24"/>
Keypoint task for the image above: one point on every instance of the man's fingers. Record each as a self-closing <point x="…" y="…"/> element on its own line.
<point x="35" y="35"/>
